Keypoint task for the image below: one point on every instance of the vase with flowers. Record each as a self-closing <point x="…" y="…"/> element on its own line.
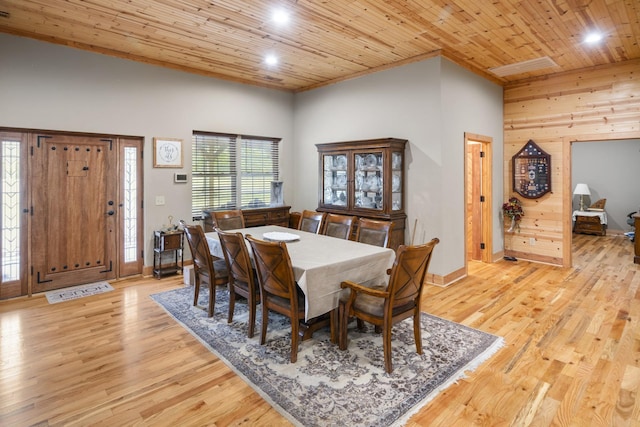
<point x="513" y="210"/>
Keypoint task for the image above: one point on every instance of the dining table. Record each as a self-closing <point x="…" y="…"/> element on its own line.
<point x="320" y="263"/>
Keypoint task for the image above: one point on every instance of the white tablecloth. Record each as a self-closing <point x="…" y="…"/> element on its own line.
<point x="320" y="263"/>
<point x="602" y="215"/>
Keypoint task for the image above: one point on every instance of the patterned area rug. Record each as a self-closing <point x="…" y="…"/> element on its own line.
<point x="75" y="292"/>
<point x="329" y="387"/>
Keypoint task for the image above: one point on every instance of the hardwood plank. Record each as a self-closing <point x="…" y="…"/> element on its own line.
<point x="571" y="356"/>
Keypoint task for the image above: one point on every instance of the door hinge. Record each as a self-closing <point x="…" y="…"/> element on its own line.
<point x="482" y="154"/>
<point x="481" y="198"/>
<point x="481" y="245"/>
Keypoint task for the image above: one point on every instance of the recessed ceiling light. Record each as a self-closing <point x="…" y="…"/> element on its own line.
<point x="271" y="60"/>
<point x="280" y="16"/>
<point x="592" y="38"/>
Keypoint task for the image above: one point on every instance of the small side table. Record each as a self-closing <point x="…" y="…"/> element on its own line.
<point x="167" y="250"/>
<point x="590" y="222"/>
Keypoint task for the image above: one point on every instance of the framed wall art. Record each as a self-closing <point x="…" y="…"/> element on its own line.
<point x="167" y="153"/>
<point x="531" y="171"/>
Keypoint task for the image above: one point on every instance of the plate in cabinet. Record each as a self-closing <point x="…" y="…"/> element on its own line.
<point x="359" y="160"/>
<point x="396" y="161"/>
<point x="370" y="161"/>
<point x="395" y="183"/>
<point x="372" y="183"/>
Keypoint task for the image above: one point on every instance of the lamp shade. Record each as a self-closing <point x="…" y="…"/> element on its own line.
<point x="582" y="190"/>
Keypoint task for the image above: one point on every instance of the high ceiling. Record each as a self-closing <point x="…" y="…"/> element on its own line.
<point x="326" y="41"/>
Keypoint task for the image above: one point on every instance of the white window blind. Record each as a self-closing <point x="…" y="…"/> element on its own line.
<point x="232" y="171"/>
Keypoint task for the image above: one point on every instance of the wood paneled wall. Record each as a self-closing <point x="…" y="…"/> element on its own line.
<point x="597" y="103"/>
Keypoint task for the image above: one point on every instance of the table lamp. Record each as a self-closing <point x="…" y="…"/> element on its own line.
<point x="582" y="190"/>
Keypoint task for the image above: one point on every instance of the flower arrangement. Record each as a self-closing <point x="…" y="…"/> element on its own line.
<point x="513" y="209"/>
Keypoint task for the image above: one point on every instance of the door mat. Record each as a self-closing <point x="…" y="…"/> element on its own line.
<point x="75" y="292"/>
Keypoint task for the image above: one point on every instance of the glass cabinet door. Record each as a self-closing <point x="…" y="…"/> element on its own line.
<point x="396" y="181"/>
<point x="369" y="187"/>
<point x="335" y="179"/>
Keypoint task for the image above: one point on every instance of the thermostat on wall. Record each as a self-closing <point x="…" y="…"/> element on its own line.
<point x="180" y="177"/>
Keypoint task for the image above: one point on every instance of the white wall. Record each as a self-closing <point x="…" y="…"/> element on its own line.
<point x="469" y="104"/>
<point x="431" y="103"/>
<point x="50" y="87"/>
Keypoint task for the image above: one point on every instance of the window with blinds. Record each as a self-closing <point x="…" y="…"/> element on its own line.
<point x="232" y="171"/>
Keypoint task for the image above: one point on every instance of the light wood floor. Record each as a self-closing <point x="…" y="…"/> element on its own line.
<point x="572" y="354"/>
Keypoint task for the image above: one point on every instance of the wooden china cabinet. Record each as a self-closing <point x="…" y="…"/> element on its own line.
<point x="364" y="178"/>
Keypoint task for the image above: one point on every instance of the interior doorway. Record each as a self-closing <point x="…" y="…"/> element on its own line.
<point x="478" y="198"/>
<point x="604" y="166"/>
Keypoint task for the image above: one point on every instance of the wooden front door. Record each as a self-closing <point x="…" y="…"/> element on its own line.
<point x="74" y="210"/>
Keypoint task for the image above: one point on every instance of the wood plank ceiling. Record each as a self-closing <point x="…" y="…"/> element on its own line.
<point x="332" y="40"/>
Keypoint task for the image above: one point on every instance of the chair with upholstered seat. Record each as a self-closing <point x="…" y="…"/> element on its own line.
<point x="278" y="289"/>
<point x="374" y="232"/>
<point x="311" y="221"/>
<point x="385" y="305"/>
<point x="228" y="220"/>
<point x="242" y="279"/>
<point x="206" y="271"/>
<point x="340" y="226"/>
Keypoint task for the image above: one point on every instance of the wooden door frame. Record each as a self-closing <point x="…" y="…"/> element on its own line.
<point x="131" y="268"/>
<point x="487" y="183"/>
<point x="21" y="286"/>
<point x="25" y="288"/>
<point x="567" y="200"/>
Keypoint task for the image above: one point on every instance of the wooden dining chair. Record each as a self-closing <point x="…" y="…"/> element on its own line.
<point x="294" y="220"/>
<point x="384" y="305"/>
<point x="228" y="220"/>
<point x="206" y="271"/>
<point x="278" y="289"/>
<point x="242" y="278"/>
<point x="374" y="232"/>
<point x="340" y="226"/>
<point x="311" y="221"/>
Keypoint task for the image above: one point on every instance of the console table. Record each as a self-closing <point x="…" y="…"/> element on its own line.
<point x="590" y="222"/>
<point x="273" y="215"/>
